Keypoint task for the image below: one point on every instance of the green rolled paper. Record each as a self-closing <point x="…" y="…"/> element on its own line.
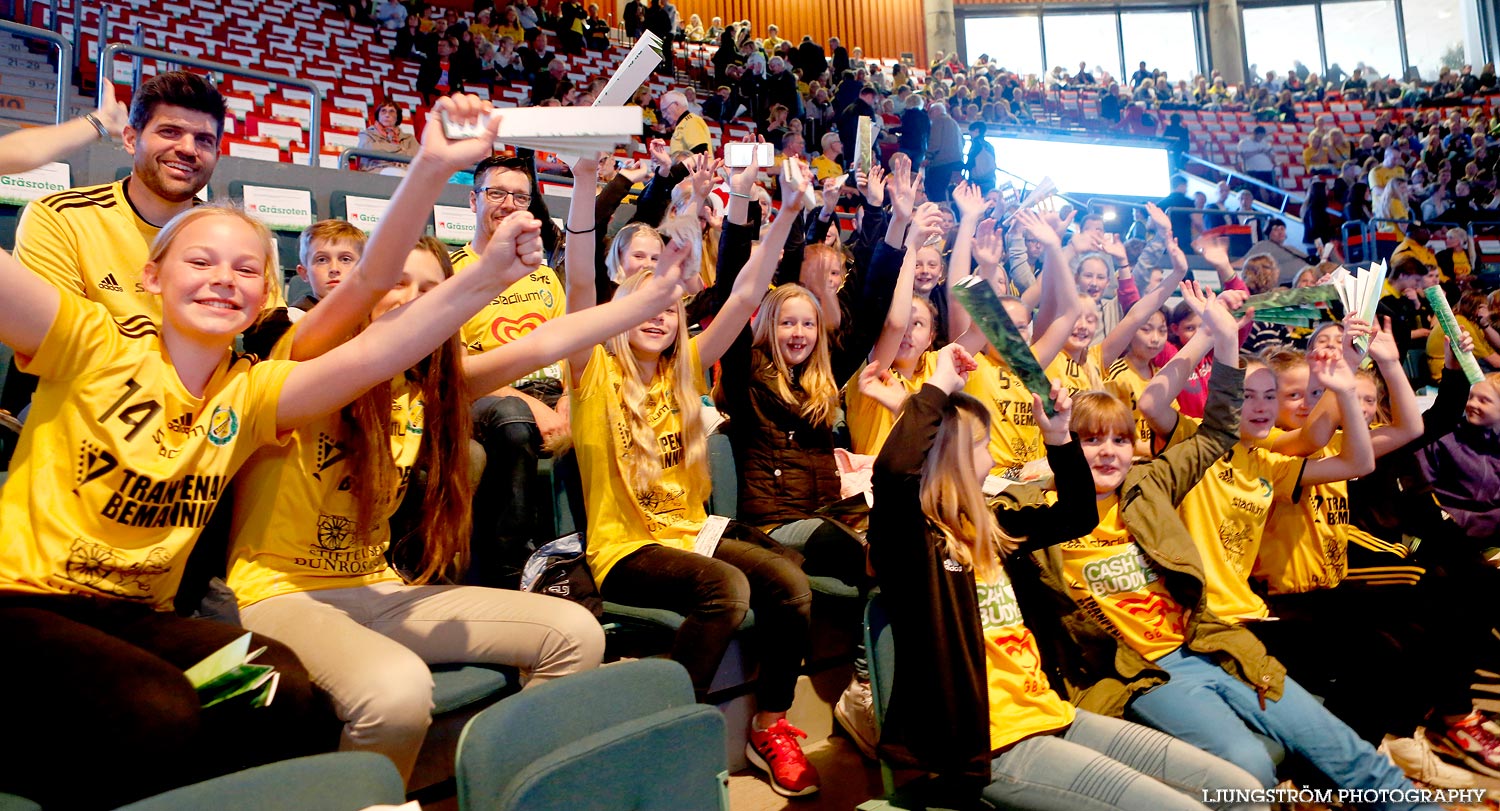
<point x="1289" y="297"/>
<point x="980" y="301"/>
<point x="1449" y="322"/>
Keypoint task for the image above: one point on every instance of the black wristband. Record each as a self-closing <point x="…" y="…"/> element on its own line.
<point x="584" y="231"/>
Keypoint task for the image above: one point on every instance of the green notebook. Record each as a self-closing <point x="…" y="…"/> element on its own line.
<point x="979" y="299"/>
<point x="228" y="673"/>
<point x="1283" y="297"/>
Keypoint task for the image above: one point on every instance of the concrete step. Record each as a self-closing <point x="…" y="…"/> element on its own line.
<point x="36" y="87"/>
<point x="27" y="115"/>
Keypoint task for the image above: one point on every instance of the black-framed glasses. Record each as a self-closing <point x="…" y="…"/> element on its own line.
<point x="497" y="195"/>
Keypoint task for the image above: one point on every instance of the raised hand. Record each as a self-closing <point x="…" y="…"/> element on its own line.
<point x="1160" y="219"/>
<point x="1329" y="370"/>
<point x="880" y="385"/>
<point x="989" y="244"/>
<point x="1355" y="327"/>
<point x="661" y="155"/>
<point x="1059" y="225"/>
<point x="464" y="110"/>
<point x="831" y="188"/>
<point x="926" y="224"/>
<point x="1057" y="429"/>
<point x="1383" y="348"/>
<point x="901" y="189"/>
<point x="742" y="178"/>
<point x="954" y="363"/>
<point x="970" y="201"/>
<point x="1214" y="250"/>
<point x="872" y="185"/>
<point x="1039" y="227"/>
<point x="112" y="113"/>
<point x="671" y="266"/>
<point x="1465" y="342"/>
<point x="515" y="249"/>
<point x="795" y="178"/>
<point x="587" y="166"/>
<point x="1115" y="248"/>
<point x="701" y="171"/>
<point x="637" y="171"/>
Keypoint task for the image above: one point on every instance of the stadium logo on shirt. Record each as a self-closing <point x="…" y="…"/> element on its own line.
<point x="223" y="426"/>
<point x="109" y="283"/>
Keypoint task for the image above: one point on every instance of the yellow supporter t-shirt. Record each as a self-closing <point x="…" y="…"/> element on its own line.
<point x="294" y="524"/>
<point x="1226" y="514"/>
<point x="869" y="421"/>
<point x="517" y="311"/>
<point x="690" y="134"/>
<point x="1109" y="576"/>
<point x="1305" y="546"/>
<point x="1075" y="376"/>
<point x="1022" y="701"/>
<point x="825" y="168"/>
<point x="1125" y="375"/>
<point x="1437" y="339"/>
<point x="120" y="467"/>
<point x="1015" y="438"/>
<point x="621" y="521"/>
<point x="90" y="242"/>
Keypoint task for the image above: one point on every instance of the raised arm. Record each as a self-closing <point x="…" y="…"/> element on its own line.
<point x="1328" y="369"/>
<point x="901" y="188"/>
<point x="1059" y="293"/>
<point x="1327" y="414"/>
<point x="751" y="284"/>
<point x="26" y="149"/>
<point x="340" y="314"/>
<point x="928" y="221"/>
<point x="407" y="334"/>
<point x="1406" y="416"/>
<point x="1155" y="403"/>
<point x="577" y="333"/>
<point x="1117" y="340"/>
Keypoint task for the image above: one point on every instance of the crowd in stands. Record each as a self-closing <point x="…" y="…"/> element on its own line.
<point x="1081" y="575"/>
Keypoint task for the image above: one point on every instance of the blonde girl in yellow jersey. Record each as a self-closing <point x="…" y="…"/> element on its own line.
<point x="135" y="431"/>
<point x="311" y="533"/>
<point x="641" y="440"/>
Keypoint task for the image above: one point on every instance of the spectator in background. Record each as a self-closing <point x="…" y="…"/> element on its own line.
<point x="1274" y="246"/>
<point x="1256" y="161"/>
<point x="659" y="21"/>
<point x="529" y="18"/>
<point x="945" y="151"/>
<point x="551" y="84"/>
<point x="385" y="134"/>
<point x="981" y="159"/>
<point x="773" y="40"/>
<point x="596" y="30"/>
<point x="510" y="25"/>
<point x="439" y="74"/>
<point x="1356" y="85"/>
<point x="839" y="57"/>
<point x="848" y="123"/>
<point x="1182" y="220"/>
<point x="409" y="40"/>
<point x="390" y="16"/>
<point x="1140" y="75"/>
<point x="1179" y="136"/>
<point x="812" y="61"/>
<point x="689" y="132"/>
<point x="781" y="87"/>
<point x="722" y="105"/>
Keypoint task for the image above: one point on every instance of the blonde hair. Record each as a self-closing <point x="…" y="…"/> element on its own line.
<point x="1101" y="413"/>
<point x="642" y="459"/>
<point x="819" y="400"/>
<point x="271" y="273"/>
<point x="329" y="231"/>
<point x="950" y="493"/>
<point x="614" y="258"/>
<point x="1261" y="273"/>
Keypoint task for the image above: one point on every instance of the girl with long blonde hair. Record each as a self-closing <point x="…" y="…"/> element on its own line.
<point x="312" y="527"/>
<point x="641" y="441"/>
<point x="973" y="698"/>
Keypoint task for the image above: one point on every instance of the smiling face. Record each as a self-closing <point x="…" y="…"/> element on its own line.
<point x="642" y="253"/>
<point x="1368" y="393"/>
<point x="1084" y="329"/>
<point x="211" y="279"/>
<point x="649" y="340"/>
<point x="797" y="330"/>
<point x="1482" y="409"/>
<point x="1109" y="456"/>
<point x="421" y="273"/>
<point x="929" y="270"/>
<point x="175" y="153"/>
<point x="488" y="215"/>
<point x="1258" y="415"/>
<point x="1329" y="337"/>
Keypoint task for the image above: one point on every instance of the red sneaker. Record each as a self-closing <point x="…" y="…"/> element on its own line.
<point x="775" y="751"/>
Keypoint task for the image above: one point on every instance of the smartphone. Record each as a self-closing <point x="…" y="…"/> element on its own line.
<point x="742" y="155"/>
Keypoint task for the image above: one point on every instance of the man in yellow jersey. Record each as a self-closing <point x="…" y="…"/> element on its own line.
<point x="517" y="424"/>
<point x="92" y="241"/>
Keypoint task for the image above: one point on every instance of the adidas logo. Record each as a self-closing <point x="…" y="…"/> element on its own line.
<point x="182" y="424"/>
<point x="1227" y="476"/>
<point x="109" y="283"/>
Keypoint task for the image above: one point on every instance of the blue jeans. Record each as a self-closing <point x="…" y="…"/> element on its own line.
<point x="1104" y="763"/>
<point x="1207" y="707"/>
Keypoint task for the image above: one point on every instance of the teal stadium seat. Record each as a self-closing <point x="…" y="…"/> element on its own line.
<point x="338" y="781"/>
<point x="624" y="737"/>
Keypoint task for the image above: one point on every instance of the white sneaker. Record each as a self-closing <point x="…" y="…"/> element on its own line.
<point x="855" y="712"/>
<point x="1414" y="756"/>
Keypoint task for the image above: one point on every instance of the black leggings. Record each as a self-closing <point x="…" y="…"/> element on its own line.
<point x="714" y="594"/>
<point x="98" y="695"/>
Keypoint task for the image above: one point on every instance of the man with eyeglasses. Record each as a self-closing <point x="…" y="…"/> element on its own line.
<point x="689" y="132"/>
<point x="519" y="423"/>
